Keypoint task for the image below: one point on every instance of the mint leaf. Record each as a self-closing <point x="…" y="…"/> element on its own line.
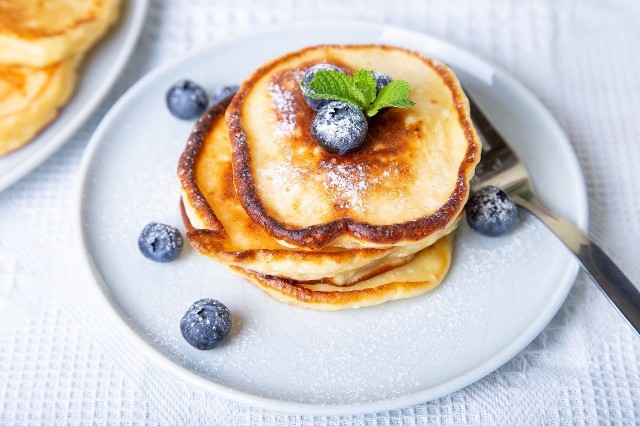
<point x="334" y="85"/>
<point x="359" y="90"/>
<point x="365" y="83"/>
<point x="394" y="94"/>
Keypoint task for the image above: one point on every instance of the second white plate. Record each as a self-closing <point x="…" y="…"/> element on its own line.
<point x="499" y="295"/>
<point x="98" y="72"/>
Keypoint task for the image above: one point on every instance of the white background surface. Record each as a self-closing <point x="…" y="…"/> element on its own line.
<point x="61" y="361"/>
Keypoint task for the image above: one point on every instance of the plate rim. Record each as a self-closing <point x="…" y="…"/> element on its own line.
<point x="271" y="403"/>
<point x="138" y="10"/>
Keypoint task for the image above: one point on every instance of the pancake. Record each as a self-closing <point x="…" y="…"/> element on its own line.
<point x="219" y="227"/>
<point x="30" y="98"/>
<point x="39" y="33"/>
<point x="406" y="185"/>
<point x="424" y="273"/>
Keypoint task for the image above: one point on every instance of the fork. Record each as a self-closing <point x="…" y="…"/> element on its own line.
<point x="500" y="166"/>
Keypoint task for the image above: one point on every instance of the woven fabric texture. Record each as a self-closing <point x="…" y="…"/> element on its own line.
<point x="61" y="363"/>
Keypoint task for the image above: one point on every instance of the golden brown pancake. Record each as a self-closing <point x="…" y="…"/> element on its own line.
<point x="41" y="45"/>
<point x="30" y="98"/>
<point x="40" y="33"/>
<point x="424" y="273"/>
<point x="224" y="231"/>
<point x="407" y="184"/>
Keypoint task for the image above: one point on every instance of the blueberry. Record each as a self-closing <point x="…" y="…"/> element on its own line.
<point x="160" y="242"/>
<point x="381" y="79"/>
<point x="491" y="212"/>
<point x="206" y="324"/>
<point x="308" y="76"/>
<point x="339" y="127"/>
<point x="223" y="92"/>
<point x="186" y="100"/>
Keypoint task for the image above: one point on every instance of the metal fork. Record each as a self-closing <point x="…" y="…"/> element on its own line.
<point x="500" y="166"/>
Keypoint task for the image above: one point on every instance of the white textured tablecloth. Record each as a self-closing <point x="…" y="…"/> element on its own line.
<point x="60" y="364"/>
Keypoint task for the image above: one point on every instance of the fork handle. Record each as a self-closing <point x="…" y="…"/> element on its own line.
<point x="612" y="281"/>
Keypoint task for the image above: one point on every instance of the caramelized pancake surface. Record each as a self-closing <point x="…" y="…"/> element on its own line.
<point x="30" y="98"/>
<point x="40" y="33"/>
<point x="408" y="183"/>
<point x="424" y="273"/>
<point x="225" y="232"/>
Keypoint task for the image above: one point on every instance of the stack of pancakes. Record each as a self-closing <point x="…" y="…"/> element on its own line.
<point x="322" y="230"/>
<point x="41" y="46"/>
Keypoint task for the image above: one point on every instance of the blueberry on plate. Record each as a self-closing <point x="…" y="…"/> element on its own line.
<point x="308" y="76"/>
<point x="339" y="127"/>
<point x="381" y="80"/>
<point x="490" y="211"/>
<point x="186" y="99"/>
<point x="206" y="324"/>
<point x="160" y="242"/>
<point x="223" y="92"/>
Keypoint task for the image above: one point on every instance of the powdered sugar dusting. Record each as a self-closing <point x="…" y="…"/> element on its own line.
<point x="494" y="207"/>
<point x="282" y="101"/>
<point x="347" y="182"/>
<point x="284" y="176"/>
<point x="350" y="182"/>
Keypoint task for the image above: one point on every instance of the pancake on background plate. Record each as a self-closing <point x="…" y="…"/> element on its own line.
<point x="40" y="33"/>
<point x="30" y="98"/>
<point x="42" y="44"/>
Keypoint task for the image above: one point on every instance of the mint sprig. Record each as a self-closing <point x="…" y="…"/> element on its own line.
<point x="359" y="90"/>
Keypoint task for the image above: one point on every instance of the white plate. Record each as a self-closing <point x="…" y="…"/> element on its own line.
<point x="499" y="294"/>
<point x="98" y="73"/>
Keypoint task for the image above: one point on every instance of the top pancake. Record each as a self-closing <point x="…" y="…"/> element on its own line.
<point x="39" y="33"/>
<point x="407" y="183"/>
